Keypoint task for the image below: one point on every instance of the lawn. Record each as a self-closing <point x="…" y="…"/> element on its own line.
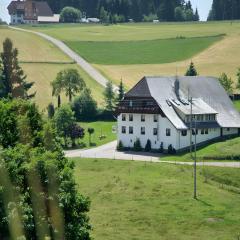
<point x="41" y="61"/>
<point x="237" y="105"/>
<point x="225" y="150"/>
<point x="142" y="52"/>
<point x="133" y="200"/>
<point x="223" y="56"/>
<point x="103" y="133"/>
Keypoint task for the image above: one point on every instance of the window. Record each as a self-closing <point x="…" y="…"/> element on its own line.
<point x="155" y="118"/>
<point x="124" y="117"/>
<point x="130" y="130"/>
<point x="142" y="118"/>
<point x="228" y="129"/>
<point x="202" y="131"/>
<point x="206" y="131"/>
<point x="130" y="117"/>
<point x="123" y="130"/>
<point x="184" y="133"/>
<point x="168" y="132"/>
<point x="155" y="131"/>
<point x="142" y="130"/>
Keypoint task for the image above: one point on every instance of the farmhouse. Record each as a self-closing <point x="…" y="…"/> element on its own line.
<point x="159" y="109"/>
<point x="31" y="12"/>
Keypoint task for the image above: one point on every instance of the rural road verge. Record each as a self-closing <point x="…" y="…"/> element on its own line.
<point x="108" y="151"/>
<point x="87" y="67"/>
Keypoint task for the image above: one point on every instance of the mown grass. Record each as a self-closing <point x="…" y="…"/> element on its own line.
<point x="237" y="105"/>
<point x="102" y="133"/>
<point x="225" y="150"/>
<point x="132" y="200"/>
<point x="41" y="61"/>
<point x="135" y="31"/>
<point x="142" y="52"/>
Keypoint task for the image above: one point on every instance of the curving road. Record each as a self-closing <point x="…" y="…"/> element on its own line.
<point x="108" y="151"/>
<point x="87" y="67"/>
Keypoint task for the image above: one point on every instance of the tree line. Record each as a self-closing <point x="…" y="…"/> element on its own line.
<point x="225" y="10"/>
<point x="137" y="10"/>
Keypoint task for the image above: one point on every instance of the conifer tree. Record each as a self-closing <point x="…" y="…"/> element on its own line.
<point x="14" y="80"/>
<point x="191" y="70"/>
<point x="196" y="16"/>
<point x="109" y="97"/>
<point x="121" y="91"/>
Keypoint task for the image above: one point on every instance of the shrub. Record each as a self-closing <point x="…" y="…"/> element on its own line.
<point x="148" y="146"/>
<point x="137" y="146"/>
<point x="120" y="146"/>
<point x="171" y="149"/>
<point x="161" y="149"/>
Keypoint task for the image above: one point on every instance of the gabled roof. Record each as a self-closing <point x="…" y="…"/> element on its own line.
<point x="42" y="8"/>
<point x="208" y="89"/>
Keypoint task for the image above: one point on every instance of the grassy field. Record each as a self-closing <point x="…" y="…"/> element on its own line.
<point x="237" y="104"/>
<point x="142" y="52"/>
<point x="221" y="150"/>
<point x="222" y="56"/>
<point x="154" y="201"/>
<point x="41" y="61"/>
<point x="103" y="129"/>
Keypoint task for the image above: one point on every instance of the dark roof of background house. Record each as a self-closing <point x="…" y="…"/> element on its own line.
<point x="206" y="88"/>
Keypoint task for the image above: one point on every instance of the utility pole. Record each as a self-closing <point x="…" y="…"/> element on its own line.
<point x="195" y="162"/>
<point x="191" y="127"/>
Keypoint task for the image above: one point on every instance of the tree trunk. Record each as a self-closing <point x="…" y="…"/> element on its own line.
<point x="59" y="101"/>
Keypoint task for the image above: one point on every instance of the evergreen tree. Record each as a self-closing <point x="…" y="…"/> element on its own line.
<point x="121" y="92"/>
<point x="227" y="83"/>
<point x="14" y="80"/>
<point x="196" y="16"/>
<point x="191" y="70"/>
<point x="109" y="97"/>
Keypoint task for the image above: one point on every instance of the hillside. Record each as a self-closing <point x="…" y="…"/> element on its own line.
<point x="212" y="59"/>
<point x="41" y="62"/>
<point x="154" y="201"/>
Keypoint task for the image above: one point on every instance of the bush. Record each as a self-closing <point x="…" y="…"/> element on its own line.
<point x="148" y="146"/>
<point x="85" y="107"/>
<point x="70" y="15"/>
<point x="120" y="146"/>
<point x="171" y="149"/>
<point x="161" y="149"/>
<point x="137" y="146"/>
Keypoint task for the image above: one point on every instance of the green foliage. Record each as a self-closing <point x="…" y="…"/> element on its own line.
<point x="84" y="106"/>
<point x="161" y="149"/>
<point x="64" y="119"/>
<point x="51" y="110"/>
<point x="121" y="92"/>
<point x="191" y="71"/>
<point x="109" y="97"/>
<point x="238" y="79"/>
<point x="137" y="147"/>
<point x="120" y="146"/>
<point x="150" y="17"/>
<point x="171" y="149"/>
<point x="13" y="80"/>
<point x="90" y="132"/>
<point x="141" y="52"/>
<point x="70" y="15"/>
<point x="104" y="16"/>
<point x="148" y="147"/>
<point x="70" y="81"/>
<point x="227" y="83"/>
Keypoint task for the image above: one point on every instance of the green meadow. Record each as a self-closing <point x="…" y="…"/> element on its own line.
<point x="142" y="52"/>
<point x="134" y="200"/>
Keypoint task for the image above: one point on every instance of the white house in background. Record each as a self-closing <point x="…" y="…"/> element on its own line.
<point x="31" y="12"/>
<point x="158" y="109"/>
